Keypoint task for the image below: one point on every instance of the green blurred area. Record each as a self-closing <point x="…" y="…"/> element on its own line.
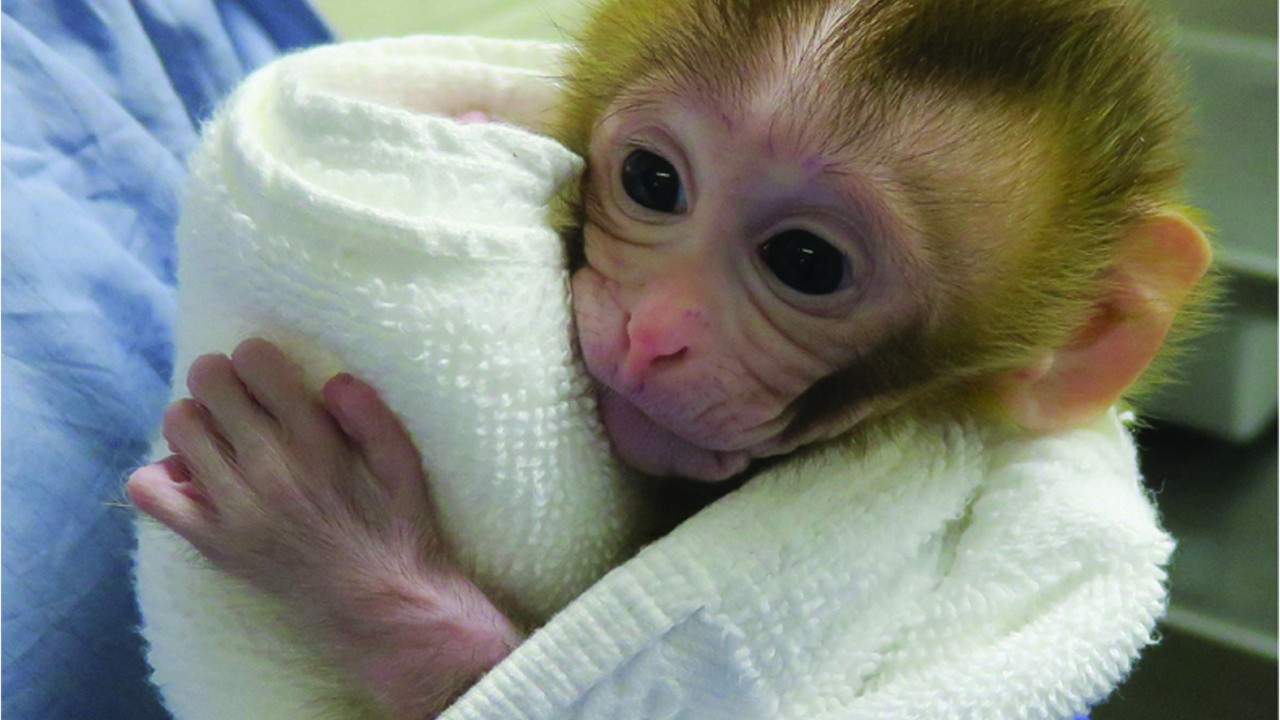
<point x="533" y="19"/>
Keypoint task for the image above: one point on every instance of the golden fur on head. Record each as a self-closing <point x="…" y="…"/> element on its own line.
<point x="1073" y="108"/>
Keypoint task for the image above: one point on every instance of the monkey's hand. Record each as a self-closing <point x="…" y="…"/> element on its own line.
<point x="322" y="504"/>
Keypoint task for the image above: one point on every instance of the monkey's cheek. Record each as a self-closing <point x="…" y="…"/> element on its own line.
<point x="599" y="323"/>
<point x="652" y="449"/>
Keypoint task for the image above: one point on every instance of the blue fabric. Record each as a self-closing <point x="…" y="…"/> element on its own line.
<point x="102" y="101"/>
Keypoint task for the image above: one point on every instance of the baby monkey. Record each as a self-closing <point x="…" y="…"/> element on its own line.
<point x="800" y="218"/>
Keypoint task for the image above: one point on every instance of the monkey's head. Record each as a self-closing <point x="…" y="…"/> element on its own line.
<point x="800" y="215"/>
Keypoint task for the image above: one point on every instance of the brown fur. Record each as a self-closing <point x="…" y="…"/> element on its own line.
<point x="1074" y="107"/>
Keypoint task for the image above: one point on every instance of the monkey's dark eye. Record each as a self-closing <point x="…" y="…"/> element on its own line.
<point x="652" y="182"/>
<point x="805" y="262"/>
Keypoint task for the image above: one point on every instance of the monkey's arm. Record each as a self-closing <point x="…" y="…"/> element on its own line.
<point x="323" y="506"/>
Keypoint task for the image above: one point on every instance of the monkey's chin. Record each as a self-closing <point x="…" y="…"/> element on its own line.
<point x="654" y="450"/>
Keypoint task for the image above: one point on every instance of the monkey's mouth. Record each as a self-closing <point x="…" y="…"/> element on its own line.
<point x="644" y="444"/>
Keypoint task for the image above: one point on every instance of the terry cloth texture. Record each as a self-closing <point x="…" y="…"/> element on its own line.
<point x="941" y="572"/>
<point x="335" y="209"/>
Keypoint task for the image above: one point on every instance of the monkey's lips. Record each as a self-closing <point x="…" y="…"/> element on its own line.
<point x="653" y="449"/>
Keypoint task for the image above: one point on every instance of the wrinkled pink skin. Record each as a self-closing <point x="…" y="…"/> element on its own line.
<point x="699" y="350"/>
<point x="322" y="504"/>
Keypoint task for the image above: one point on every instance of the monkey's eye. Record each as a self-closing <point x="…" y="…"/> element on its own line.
<point x="805" y="262"/>
<point x="652" y="182"/>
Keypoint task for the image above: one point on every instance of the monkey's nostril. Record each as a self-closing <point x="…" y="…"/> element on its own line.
<point x="644" y="360"/>
<point x="670" y="358"/>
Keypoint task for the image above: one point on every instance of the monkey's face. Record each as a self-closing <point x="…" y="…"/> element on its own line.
<point x="730" y="264"/>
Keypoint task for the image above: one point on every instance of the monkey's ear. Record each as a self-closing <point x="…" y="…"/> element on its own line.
<point x="1160" y="261"/>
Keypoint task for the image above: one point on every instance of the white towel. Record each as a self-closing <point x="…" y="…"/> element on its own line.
<point x="335" y="209"/>
<point x="945" y="572"/>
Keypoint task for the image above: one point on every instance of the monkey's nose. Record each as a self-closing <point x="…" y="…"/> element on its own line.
<point x="652" y="349"/>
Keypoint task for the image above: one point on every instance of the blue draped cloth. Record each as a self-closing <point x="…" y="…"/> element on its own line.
<point x="102" y="102"/>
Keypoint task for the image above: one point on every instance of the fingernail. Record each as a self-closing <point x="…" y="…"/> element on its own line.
<point x="344" y="378"/>
<point x="177" y="467"/>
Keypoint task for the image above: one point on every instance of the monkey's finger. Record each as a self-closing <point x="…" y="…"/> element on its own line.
<point x="377" y="432"/>
<point x="208" y="458"/>
<point x="213" y="383"/>
<point x="277" y="385"/>
<point x="163" y="491"/>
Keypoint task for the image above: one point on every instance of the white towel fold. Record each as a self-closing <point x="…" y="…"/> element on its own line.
<point x="944" y="572"/>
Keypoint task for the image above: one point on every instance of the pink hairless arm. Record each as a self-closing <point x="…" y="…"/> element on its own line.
<point x="322" y="504"/>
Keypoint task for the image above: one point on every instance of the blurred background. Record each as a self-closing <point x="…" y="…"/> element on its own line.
<point x="1209" y="453"/>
